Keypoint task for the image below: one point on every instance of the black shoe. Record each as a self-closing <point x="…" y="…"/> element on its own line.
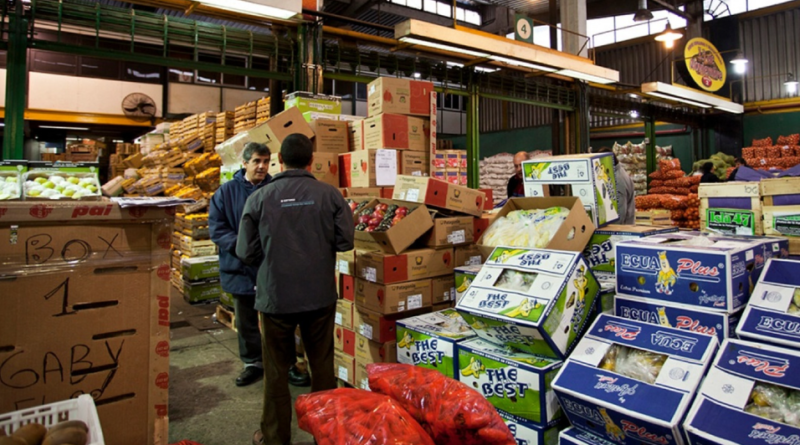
<point x="297" y="378"/>
<point x="250" y="375"/>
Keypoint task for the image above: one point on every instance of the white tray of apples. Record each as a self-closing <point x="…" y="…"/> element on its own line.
<point x="10" y="186"/>
<point x="61" y="186"/>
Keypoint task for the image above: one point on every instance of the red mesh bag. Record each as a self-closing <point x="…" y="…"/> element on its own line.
<point x="761" y="152"/>
<point x="674" y="202"/>
<point x="766" y="142"/>
<point x="658" y="174"/>
<point x="694" y="188"/>
<point x="450" y="411"/>
<point x="347" y="416"/>
<point x="656" y="183"/>
<point x="695" y="179"/>
<point x="677" y="215"/>
<point x="669" y="164"/>
<point x="659" y="190"/>
<point x="673" y="174"/>
<point x="749" y="152"/>
<point x="775" y="152"/>
<point x="647" y="202"/>
<point x="792" y="139"/>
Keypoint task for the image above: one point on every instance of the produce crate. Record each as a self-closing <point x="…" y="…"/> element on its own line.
<point x="225" y="119"/>
<point x="781" y="207"/>
<point x="82" y="409"/>
<point x="734" y="208"/>
<point x="226" y="317"/>
<point x="653" y="218"/>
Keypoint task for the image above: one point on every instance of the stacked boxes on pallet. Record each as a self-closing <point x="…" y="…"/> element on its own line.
<point x="245" y="117"/>
<point x="195" y="263"/>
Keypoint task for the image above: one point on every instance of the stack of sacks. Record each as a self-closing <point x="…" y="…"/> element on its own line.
<point x="763" y="155"/>
<point x="496" y="170"/>
<point x="634" y="160"/>
<point x="670" y="189"/>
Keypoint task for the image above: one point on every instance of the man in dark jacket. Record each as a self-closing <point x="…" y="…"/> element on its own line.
<point x="224" y="214"/>
<point x="709" y="177"/>
<point x="297" y="224"/>
<point x="516" y="187"/>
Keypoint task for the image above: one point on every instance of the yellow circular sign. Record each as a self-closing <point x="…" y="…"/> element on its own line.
<point x="705" y="64"/>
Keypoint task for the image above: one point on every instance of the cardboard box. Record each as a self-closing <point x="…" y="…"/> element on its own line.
<point x="440" y="194"/>
<point x="608" y="293"/>
<point x="439" y="160"/>
<point x="347" y="288"/>
<point x="574" y="436"/>
<point x="202" y="292"/>
<point x="344" y="313"/>
<point x="330" y="136"/>
<point x="708" y="273"/>
<point x="443" y="289"/>
<point x="274" y="131"/>
<point x="345" y="367"/>
<point x="464" y="276"/>
<point x="325" y="168"/>
<point x="469" y="255"/>
<point x="399" y="96"/>
<point x="601" y="250"/>
<point x="346" y="262"/>
<point x="305" y="102"/>
<point x="529" y="434"/>
<point x="482" y="223"/>
<point x="344" y="340"/>
<point x="590" y="176"/>
<point x="417" y="264"/>
<point x="450" y="231"/>
<point x="350" y="118"/>
<point x="430" y="340"/>
<point x="574" y="233"/>
<point x="310" y="116"/>
<point x="463" y="179"/>
<point x="673" y="315"/>
<point x="723" y="412"/>
<point x="627" y="410"/>
<point x="415" y="163"/>
<point x="393" y="298"/>
<point x="355" y="135"/>
<point x="362" y="168"/>
<point x="374" y="326"/>
<point x="226" y="299"/>
<point x="516" y="384"/>
<point x="401" y="235"/>
<point x="362" y="376"/>
<point x="452" y="177"/>
<point x="363" y="192"/>
<point x="396" y="132"/>
<point x="200" y="268"/>
<point x="439" y="175"/>
<point x="11" y="179"/>
<point x="368" y="351"/>
<point x="773" y="315"/>
<point x="545" y="313"/>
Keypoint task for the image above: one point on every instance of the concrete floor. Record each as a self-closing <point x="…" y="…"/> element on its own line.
<point x="205" y="405"/>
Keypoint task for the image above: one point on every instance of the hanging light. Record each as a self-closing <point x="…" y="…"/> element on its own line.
<point x="739" y="63"/>
<point x="790" y="84"/>
<point x="669" y="36"/>
<point x="642" y="14"/>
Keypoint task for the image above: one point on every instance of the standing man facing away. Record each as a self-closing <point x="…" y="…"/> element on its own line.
<point x="626" y="195"/>
<point x="297" y="224"/>
<point x="224" y="214"/>
<point x="516" y="187"/>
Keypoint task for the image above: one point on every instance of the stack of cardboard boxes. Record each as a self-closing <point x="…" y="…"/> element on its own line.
<point x="195" y="263"/>
<point x="245" y="117"/>
<point x="448" y="164"/>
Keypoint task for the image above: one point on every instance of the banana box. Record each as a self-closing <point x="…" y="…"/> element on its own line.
<point x="632" y="382"/>
<point x="751" y="396"/>
<point x="200" y="268"/>
<point x="600" y="252"/>
<point x="719" y="324"/>
<point x="534" y="300"/>
<point x="465" y="275"/>
<point x="773" y="314"/>
<point x="590" y="176"/>
<point x="515" y="383"/>
<point x="691" y="269"/>
<point x="574" y="436"/>
<point x="528" y="434"/>
<point x="429" y="340"/>
<point x="608" y="290"/>
<point x="765" y="247"/>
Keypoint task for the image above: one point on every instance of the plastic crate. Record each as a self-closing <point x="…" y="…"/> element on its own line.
<point x="82" y="408"/>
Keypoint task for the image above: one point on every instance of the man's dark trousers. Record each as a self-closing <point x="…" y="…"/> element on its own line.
<point x="247" y="324"/>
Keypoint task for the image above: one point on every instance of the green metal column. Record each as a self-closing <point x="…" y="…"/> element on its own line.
<point x="650" y="150"/>
<point x="473" y="137"/>
<point x="16" y="85"/>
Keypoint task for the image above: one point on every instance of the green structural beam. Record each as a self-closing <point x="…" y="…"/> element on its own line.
<point x="473" y="138"/>
<point x="16" y="86"/>
<point x="521" y="100"/>
<point x="344" y="77"/>
<point x="650" y="150"/>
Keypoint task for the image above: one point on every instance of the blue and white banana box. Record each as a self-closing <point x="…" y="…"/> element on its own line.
<point x="679" y="316"/>
<point x="773" y="314"/>
<point x="529" y="434"/>
<point x="631" y="382"/>
<point x="574" y="436"/>
<point x="764" y="248"/>
<point x="699" y="271"/>
<point x="533" y="300"/>
<point x="751" y="396"/>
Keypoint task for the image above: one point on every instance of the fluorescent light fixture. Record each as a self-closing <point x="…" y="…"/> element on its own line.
<point x="2" y="124"/>
<point x="728" y="109"/>
<point x="690" y="96"/>
<point x="523" y="64"/>
<point x="417" y="75"/>
<point x="54" y="127"/>
<point x="790" y="84"/>
<point x="633" y="96"/>
<point x="669" y="36"/>
<point x="455" y="49"/>
<point x="679" y="99"/>
<point x="586" y="77"/>
<point x="254" y="7"/>
<point x="477" y="68"/>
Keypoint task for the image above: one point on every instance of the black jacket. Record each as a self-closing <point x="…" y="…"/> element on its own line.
<point x="709" y="178"/>
<point x="299" y="224"/>
<point x="224" y="214"/>
<point x="513" y="183"/>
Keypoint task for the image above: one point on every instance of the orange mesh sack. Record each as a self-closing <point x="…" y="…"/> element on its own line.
<point x="774" y="152"/>
<point x="347" y="416"/>
<point x="749" y="152"/>
<point x="673" y="174"/>
<point x="792" y="139"/>
<point x="657" y="183"/>
<point x="450" y="411"/>
<point x="669" y="164"/>
<point x="766" y="142"/>
<point x="647" y="202"/>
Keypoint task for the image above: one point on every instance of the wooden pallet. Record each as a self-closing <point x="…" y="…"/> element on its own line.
<point x="747" y="195"/>
<point x="653" y="218"/>
<point x="226" y="317"/>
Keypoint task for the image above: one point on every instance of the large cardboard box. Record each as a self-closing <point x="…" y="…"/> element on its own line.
<point x="274" y="131"/>
<point x="415" y="163"/>
<point x="430" y="340"/>
<point x="440" y="194"/>
<point x="200" y="268"/>
<point x="450" y="231"/>
<point x="598" y="394"/>
<point x="773" y="313"/>
<point x="401" y="235"/>
<point x="526" y="433"/>
<point x="674" y="315"/>
<point x="368" y="351"/>
<point x="747" y="382"/>
<point x="368" y="168"/>
<point x="305" y="102"/>
<point x="516" y="384"/>
<point x="344" y="313"/>
<point x="601" y="250"/>
<point x="533" y="300"/>
<point x="400" y="96"/>
<point x="330" y="136"/>
<point x="573" y="234"/>
<point x="325" y="167"/>
<point x="590" y="176"/>
<point x="86" y="304"/>
<point x="393" y="298"/>
<point x="344" y="340"/>
<point x="464" y="276"/>
<point x="468" y="255"/>
<point x="363" y="192"/>
<point x="575" y="436"/>
<point x="416" y="264"/>
<point x="345" y="367"/>
<point x="355" y="135"/>
<point x="396" y="132"/>
<point x="346" y="262"/>
<point x="202" y="292"/>
<point x="704" y="272"/>
<point x="443" y="289"/>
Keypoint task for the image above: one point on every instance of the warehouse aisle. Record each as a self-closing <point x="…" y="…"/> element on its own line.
<point x="204" y="404"/>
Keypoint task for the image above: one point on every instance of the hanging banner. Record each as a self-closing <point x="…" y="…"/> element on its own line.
<point x="705" y="64"/>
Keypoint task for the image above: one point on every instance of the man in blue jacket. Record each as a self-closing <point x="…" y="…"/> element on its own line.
<point x="238" y="279"/>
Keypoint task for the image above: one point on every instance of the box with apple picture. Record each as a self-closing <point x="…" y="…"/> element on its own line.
<point x="389" y="225"/>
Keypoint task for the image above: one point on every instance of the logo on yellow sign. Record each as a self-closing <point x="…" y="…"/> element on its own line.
<point x="705" y="64"/>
